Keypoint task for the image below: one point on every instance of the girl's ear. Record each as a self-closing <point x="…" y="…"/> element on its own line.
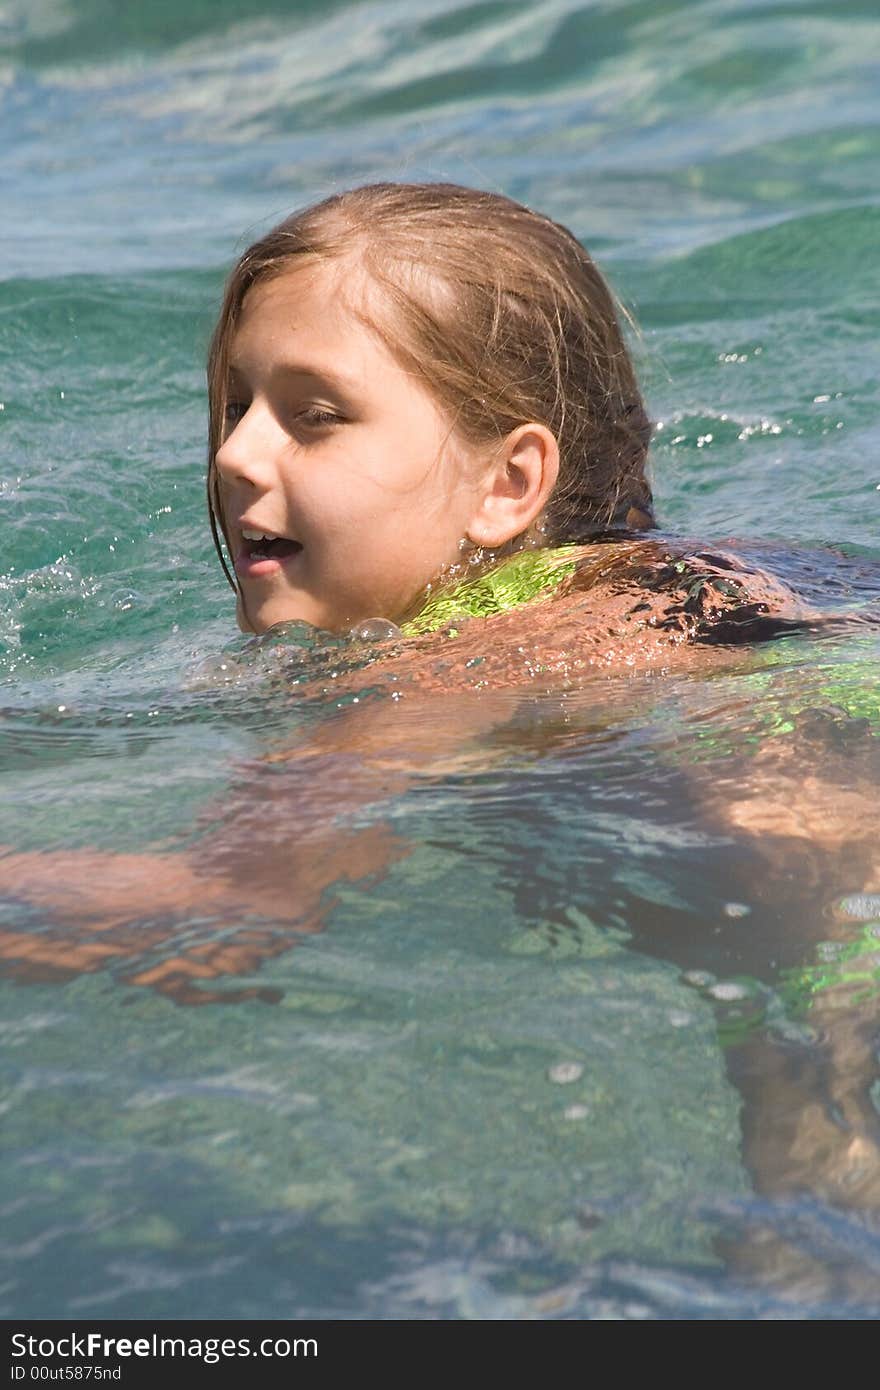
<point x="517" y="487"/>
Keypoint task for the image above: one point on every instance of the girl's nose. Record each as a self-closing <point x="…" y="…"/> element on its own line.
<point x="246" y="453"/>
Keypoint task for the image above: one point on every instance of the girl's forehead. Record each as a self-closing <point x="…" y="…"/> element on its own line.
<point x="327" y="305"/>
<point x="319" y="319"/>
<point x="335" y="287"/>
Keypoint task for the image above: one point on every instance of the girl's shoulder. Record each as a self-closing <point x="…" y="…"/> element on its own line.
<point x="720" y="593"/>
<point x="542" y="617"/>
<point x="716" y="593"/>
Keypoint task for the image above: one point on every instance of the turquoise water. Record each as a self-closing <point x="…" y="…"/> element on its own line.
<point x="513" y="1077"/>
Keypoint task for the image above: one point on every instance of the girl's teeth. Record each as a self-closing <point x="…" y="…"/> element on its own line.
<point x="257" y="535"/>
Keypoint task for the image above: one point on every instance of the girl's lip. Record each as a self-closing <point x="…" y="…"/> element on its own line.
<point x="258" y="566"/>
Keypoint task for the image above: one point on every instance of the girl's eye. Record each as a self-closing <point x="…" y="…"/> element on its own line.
<point x="235" y="411"/>
<point x="318" y="417"/>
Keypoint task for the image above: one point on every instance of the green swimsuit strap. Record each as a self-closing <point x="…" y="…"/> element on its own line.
<point x="529" y="575"/>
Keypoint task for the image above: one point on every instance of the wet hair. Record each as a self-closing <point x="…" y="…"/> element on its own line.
<point x="503" y="315"/>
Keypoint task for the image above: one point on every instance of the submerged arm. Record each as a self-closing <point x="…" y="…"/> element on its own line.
<point x="292" y="827"/>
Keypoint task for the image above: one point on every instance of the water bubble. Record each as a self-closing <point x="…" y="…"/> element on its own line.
<point x="700" y="979"/>
<point x="800" y="1034"/>
<point x="125" y="599"/>
<point x="375" y="630"/>
<point x="564" y="1073"/>
<point x="862" y="907"/>
<point x="576" y="1112"/>
<point x="736" y="910"/>
<point x="728" y="990"/>
<point x="292" y="634"/>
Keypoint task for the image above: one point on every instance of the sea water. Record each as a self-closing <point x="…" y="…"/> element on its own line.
<point x="519" y="1074"/>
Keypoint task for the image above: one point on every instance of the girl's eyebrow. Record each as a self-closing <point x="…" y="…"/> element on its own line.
<point x="326" y="376"/>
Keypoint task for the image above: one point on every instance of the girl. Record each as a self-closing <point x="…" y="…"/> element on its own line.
<point x="409" y="385"/>
<point x="423" y="412"/>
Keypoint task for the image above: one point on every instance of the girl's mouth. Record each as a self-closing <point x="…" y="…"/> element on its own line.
<point x="263" y="554"/>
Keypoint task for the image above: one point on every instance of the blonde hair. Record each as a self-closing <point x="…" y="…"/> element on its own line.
<point x="500" y="311"/>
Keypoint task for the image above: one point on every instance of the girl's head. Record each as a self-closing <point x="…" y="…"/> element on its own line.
<point x="403" y="368"/>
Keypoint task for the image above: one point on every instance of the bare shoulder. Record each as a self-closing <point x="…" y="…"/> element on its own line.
<point x="715" y="594"/>
<point x="619" y="605"/>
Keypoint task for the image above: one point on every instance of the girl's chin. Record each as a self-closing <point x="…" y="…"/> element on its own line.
<point x="257" y="618"/>
<point x="257" y="612"/>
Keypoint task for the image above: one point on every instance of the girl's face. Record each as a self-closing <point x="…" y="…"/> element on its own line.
<point x="341" y="487"/>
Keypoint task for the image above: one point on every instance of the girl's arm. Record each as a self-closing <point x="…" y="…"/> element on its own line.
<point x="267" y="861"/>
